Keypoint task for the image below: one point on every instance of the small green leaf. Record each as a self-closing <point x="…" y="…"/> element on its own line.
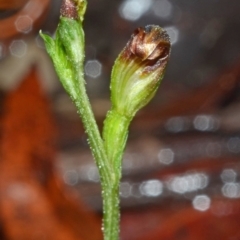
<point x="49" y="43"/>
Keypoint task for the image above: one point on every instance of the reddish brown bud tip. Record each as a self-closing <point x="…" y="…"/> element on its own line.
<point x="150" y="43"/>
<point x="69" y="9"/>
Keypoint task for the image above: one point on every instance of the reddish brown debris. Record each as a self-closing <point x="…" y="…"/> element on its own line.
<point x="34" y="203"/>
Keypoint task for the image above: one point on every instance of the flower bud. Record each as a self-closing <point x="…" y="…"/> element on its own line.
<point x="139" y="69"/>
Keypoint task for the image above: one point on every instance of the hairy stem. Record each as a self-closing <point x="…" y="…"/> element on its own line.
<point x="110" y="178"/>
<point x="95" y="141"/>
<point x="115" y="134"/>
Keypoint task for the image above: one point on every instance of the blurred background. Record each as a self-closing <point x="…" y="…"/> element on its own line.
<point x="181" y="170"/>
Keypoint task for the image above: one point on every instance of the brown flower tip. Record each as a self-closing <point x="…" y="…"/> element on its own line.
<point x="69" y="9"/>
<point x="149" y="43"/>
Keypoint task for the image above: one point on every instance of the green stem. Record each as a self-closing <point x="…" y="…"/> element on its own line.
<point x="111" y="211"/>
<point x="108" y="161"/>
<point x="109" y="182"/>
<point x="115" y="134"/>
<point x="95" y="141"/>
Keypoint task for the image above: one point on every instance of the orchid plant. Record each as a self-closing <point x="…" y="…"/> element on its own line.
<point x="136" y="75"/>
